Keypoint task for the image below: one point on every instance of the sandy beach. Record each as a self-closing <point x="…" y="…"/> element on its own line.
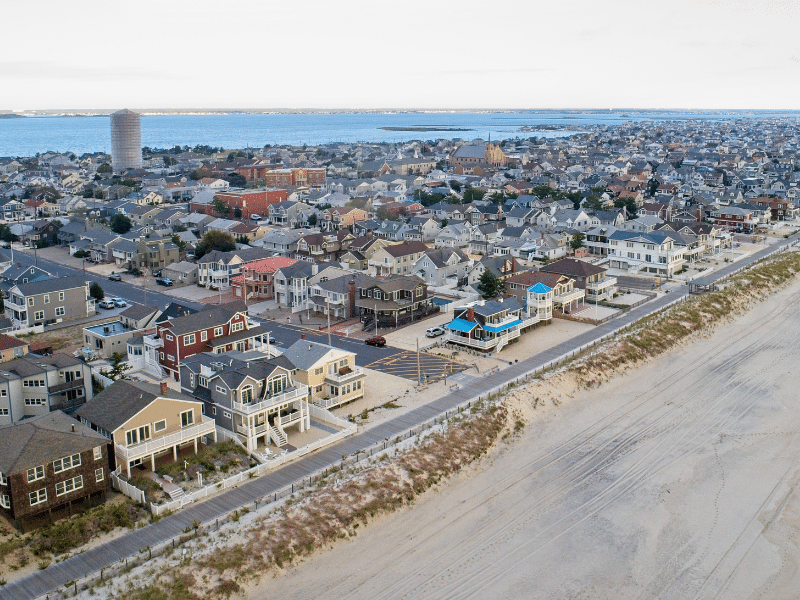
<point x="675" y="480"/>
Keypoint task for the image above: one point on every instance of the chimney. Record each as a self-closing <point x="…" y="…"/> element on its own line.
<point x="163" y="388"/>
<point x="351" y="289"/>
<point x="302" y="336"/>
<point x="699" y="214"/>
<point x="73" y="429"/>
<point x="471" y="314"/>
<point x="513" y="264"/>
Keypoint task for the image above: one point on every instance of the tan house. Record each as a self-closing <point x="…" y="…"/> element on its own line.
<point x="360" y="251"/>
<point x="11" y="347"/>
<point x="338" y="217"/>
<point x="145" y="422"/>
<point x="156" y="254"/>
<point x="398" y="259"/>
<point x="331" y="374"/>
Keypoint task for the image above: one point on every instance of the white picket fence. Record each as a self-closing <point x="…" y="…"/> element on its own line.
<point x="271" y="463"/>
<point x="131" y="491"/>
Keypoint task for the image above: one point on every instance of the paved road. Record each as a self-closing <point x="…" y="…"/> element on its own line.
<point x="121" y="289"/>
<point x="112" y="552"/>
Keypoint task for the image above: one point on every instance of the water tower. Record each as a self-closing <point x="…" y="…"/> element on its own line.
<point x="126" y="140"/>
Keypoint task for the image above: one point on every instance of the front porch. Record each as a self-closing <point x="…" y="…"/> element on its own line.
<point x="266" y="422"/>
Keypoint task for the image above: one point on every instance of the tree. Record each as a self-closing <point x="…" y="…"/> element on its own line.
<point x="489" y="284"/>
<point x="118" y="367"/>
<point x="236" y="180"/>
<point x="576" y="241"/>
<point x="96" y="292"/>
<point x="6" y="235"/>
<point x="628" y="204"/>
<point x="455" y="185"/>
<point x="179" y="243"/>
<point x="444" y="223"/>
<point x="2" y="304"/>
<point x="80" y="254"/>
<point x="215" y="240"/>
<point x="121" y="224"/>
<point x="220" y="207"/>
<point x="312" y="220"/>
<point x="104" y="168"/>
<point x="242" y="239"/>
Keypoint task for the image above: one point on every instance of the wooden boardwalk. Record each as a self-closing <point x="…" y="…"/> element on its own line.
<point x="219" y="506"/>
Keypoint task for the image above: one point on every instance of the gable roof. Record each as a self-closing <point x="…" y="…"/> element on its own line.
<point x="303" y="354"/>
<point x="572" y="267"/>
<point x="55" y="284"/>
<point x="120" y="401"/>
<point x="208" y="317"/>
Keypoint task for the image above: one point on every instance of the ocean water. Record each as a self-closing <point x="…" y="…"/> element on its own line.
<point x="30" y="135"/>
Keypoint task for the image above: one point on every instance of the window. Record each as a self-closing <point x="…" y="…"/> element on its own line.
<point x="187" y="418"/>
<point x="169" y="337"/>
<point x="136" y="436"/>
<point x="226" y="414"/>
<point x="276" y="385"/>
<point x="203" y="336"/>
<point x="36" y="473"/>
<point x="30" y="301"/>
<point x="160" y="425"/>
<point x="188" y="340"/>
<point x="221" y="389"/>
<point x="47" y="298"/>
<point x="70" y="485"/>
<point x="98" y="474"/>
<point x="68" y="462"/>
<point x="59" y="311"/>
<point x="61" y="296"/>
<point x="35" y="402"/>
<point x="214" y="410"/>
<point x="3" y="479"/>
<point x="38" y="496"/>
<point x="202" y="381"/>
<point x="170" y="357"/>
<point x="38" y="315"/>
<point x="237" y="327"/>
<point x="247" y="394"/>
<point x="97" y="453"/>
<point x="5" y="501"/>
<point x="3" y="393"/>
<point x="4" y="412"/>
<point x="217" y="331"/>
<point x="319" y="371"/>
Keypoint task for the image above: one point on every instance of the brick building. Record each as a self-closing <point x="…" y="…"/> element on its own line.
<point x="275" y="176"/>
<point x="249" y="202"/>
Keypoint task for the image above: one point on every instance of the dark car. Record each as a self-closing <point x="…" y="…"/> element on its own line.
<point x="377" y="340"/>
<point x="115" y="277"/>
<point x="164" y="281"/>
<point x="268" y="337"/>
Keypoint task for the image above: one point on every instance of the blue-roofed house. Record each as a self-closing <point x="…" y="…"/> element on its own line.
<point x="489" y="325"/>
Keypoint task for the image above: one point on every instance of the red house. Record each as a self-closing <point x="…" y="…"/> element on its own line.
<point x="216" y="329"/>
<point x="276" y="176"/>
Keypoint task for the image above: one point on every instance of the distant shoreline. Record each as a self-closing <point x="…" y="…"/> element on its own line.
<point x="88" y="112"/>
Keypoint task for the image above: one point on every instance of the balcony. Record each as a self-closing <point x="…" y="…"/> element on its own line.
<point x="572" y="296"/>
<point x="187" y="434"/>
<point x="153" y="341"/>
<point x="289" y="418"/>
<point x="66" y="386"/>
<point x="299" y="391"/>
<point x="257" y="430"/>
<point x="354" y="373"/>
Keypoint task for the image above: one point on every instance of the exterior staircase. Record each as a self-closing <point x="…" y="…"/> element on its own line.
<point x="278" y="436"/>
<point x="500" y="345"/>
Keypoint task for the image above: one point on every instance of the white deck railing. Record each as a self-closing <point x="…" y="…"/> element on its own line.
<point x="206" y="427"/>
<point x="299" y="391"/>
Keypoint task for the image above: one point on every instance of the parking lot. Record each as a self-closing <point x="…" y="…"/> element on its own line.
<point x="405" y="364"/>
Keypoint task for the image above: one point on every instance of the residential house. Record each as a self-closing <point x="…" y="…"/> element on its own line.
<point x="181" y="273"/>
<point x="254" y="398"/>
<point x="397" y="259"/>
<point x="396" y="300"/>
<point x="454" y="235"/>
<point x="588" y="277"/>
<point x="339" y="217"/>
<point x="733" y="218"/>
<point x="11" y="348"/>
<point x="49" y="461"/>
<point x="146" y="421"/>
<point x="281" y="242"/>
<point x="291" y="284"/>
<point x="361" y="249"/>
<point x="137" y="316"/>
<point x="324" y="246"/>
<point x="330" y="373"/>
<point x="256" y="279"/>
<point x="156" y="254"/>
<point x="487" y="325"/>
<point x="422" y="229"/>
<point x="216" y="328"/>
<point x="215" y="269"/>
<point x="443" y="266"/>
<point x="49" y="301"/>
<point x="286" y="213"/>
<point x="33" y="385"/>
<point x="652" y="252"/>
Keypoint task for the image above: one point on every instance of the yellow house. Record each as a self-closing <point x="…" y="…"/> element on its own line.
<point x="145" y="421"/>
<point x="331" y="374"/>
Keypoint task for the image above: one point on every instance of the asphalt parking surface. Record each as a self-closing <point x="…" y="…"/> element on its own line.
<point x="404" y="364"/>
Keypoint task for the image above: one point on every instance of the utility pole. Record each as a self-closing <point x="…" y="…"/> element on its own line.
<point x="328" y="306"/>
<point x="376" y="319"/>
<point x="419" y="372"/>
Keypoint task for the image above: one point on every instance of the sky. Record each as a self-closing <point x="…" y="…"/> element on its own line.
<point x="146" y="54"/>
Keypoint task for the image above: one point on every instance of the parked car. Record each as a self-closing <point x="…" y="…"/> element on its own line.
<point x="106" y="303"/>
<point x="268" y="336"/>
<point x="157" y="273"/>
<point x="255" y="217"/>
<point x="435" y="332"/>
<point x="115" y="277"/>
<point x="119" y="302"/>
<point x="5" y="245"/>
<point x="377" y="340"/>
<point x="164" y="281"/>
